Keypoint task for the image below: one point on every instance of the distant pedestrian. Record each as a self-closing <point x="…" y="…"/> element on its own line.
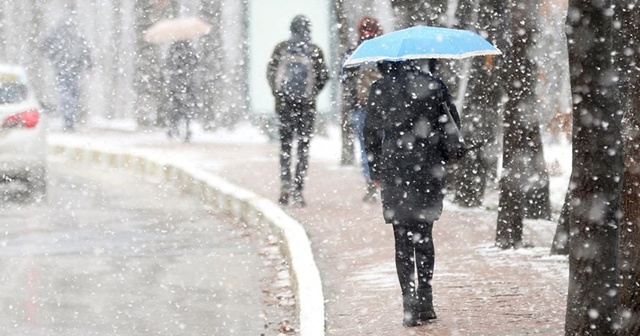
<point x="181" y="65"/>
<point x="411" y="131"/>
<point x="297" y="72"/>
<point x="70" y="55"/>
<point x="357" y="82"/>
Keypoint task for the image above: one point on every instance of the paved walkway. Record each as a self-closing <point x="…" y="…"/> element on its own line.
<point x="478" y="289"/>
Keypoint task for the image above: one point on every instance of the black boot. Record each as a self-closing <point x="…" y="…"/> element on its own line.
<point x="297" y="199"/>
<point x="411" y="316"/>
<point x="427" y="315"/>
<point x="284" y="195"/>
<point x="425" y="309"/>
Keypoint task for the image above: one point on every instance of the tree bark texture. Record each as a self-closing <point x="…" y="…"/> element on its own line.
<point x="3" y="41"/>
<point x="413" y="12"/>
<point x="36" y="63"/>
<point x="481" y="109"/>
<point x="630" y="233"/>
<point x="537" y="195"/>
<point x="112" y="83"/>
<point x="597" y="170"/>
<point x="210" y="66"/>
<point x="630" y="198"/>
<point x="347" y="156"/>
<point x="520" y="128"/>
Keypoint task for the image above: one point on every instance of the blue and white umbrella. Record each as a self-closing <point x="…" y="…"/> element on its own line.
<point x="421" y="42"/>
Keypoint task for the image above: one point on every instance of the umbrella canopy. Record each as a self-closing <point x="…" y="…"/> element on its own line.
<point x="178" y="29"/>
<point x="421" y="42"/>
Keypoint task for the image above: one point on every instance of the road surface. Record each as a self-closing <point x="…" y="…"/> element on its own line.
<point x="110" y="253"/>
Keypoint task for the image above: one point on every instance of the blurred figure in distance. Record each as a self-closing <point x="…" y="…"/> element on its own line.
<point x="70" y="55"/>
<point x="356" y="83"/>
<point x="181" y="65"/>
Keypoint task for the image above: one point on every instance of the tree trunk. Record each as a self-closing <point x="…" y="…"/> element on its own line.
<point x="106" y="54"/>
<point x="630" y="230"/>
<point x="3" y="20"/>
<point x="36" y="64"/>
<point x="630" y="198"/>
<point x="347" y="156"/>
<point x="210" y="65"/>
<point x="537" y="196"/>
<point x="122" y="85"/>
<point x="413" y="12"/>
<point x="114" y="70"/>
<point x="148" y="79"/>
<point x="481" y="108"/>
<point x="516" y="151"/>
<point x="597" y="170"/>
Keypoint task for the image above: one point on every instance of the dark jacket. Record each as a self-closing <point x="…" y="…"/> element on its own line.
<point x="321" y="72"/>
<point x="404" y="133"/>
<point x="182" y="61"/>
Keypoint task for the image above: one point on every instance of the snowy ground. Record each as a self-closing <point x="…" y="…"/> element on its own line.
<point x="365" y="261"/>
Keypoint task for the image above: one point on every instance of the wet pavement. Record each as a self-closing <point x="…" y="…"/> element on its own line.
<point x="117" y="254"/>
<point x="478" y="289"/>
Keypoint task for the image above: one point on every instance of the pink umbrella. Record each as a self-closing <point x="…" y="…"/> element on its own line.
<point x="178" y="29"/>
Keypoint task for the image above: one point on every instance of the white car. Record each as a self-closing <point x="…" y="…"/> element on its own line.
<point x="23" y="144"/>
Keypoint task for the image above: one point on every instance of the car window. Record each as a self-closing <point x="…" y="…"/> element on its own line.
<point x="11" y="89"/>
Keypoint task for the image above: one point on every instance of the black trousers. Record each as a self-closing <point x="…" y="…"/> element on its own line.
<point x="415" y="257"/>
<point x="296" y="123"/>
<point x="182" y="106"/>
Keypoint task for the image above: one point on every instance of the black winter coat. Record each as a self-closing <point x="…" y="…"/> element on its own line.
<point x="182" y="62"/>
<point x="404" y="129"/>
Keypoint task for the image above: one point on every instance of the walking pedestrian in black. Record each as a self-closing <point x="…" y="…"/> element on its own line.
<point x="182" y="61"/>
<point x="296" y="73"/>
<point x="411" y="131"/>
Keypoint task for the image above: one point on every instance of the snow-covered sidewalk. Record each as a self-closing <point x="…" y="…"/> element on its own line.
<point x="478" y="289"/>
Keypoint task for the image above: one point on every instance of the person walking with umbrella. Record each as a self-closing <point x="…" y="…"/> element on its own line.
<point x="181" y="66"/>
<point x="411" y="132"/>
<point x="297" y="72"/>
<point x="406" y="133"/>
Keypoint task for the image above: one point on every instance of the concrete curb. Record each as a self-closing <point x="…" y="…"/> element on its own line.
<point x="253" y="209"/>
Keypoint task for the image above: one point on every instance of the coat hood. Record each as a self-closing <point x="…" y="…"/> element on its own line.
<point x="301" y="28"/>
